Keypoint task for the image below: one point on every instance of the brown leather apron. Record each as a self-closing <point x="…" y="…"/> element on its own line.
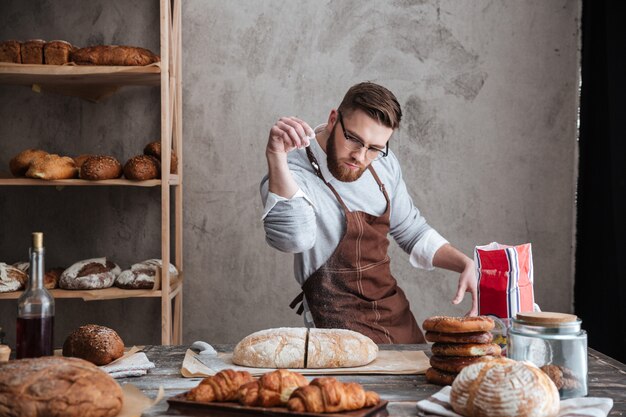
<point x="354" y="289"/>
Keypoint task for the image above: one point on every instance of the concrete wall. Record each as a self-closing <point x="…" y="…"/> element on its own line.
<point x="488" y="143"/>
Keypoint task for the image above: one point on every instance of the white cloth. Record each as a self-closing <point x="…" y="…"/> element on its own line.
<point x="439" y="405"/>
<point x="136" y="364"/>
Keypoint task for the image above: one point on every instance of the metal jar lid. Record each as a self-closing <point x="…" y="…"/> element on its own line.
<point x="543" y="322"/>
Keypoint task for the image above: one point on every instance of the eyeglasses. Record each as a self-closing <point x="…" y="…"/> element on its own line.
<point x="355" y="144"/>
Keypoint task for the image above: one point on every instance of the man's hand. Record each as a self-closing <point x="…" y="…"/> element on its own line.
<point x="287" y="134"/>
<point x="467" y="283"/>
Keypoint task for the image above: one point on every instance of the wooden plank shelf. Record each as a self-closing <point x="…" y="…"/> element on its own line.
<point x="6" y="180"/>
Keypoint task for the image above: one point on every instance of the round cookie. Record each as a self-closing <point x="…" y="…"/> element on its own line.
<point x="448" y="324"/>
<point x="437" y="377"/>
<point x="473" y="337"/>
<point x="97" y="168"/>
<point x="454" y="364"/>
<point x="466" y="349"/>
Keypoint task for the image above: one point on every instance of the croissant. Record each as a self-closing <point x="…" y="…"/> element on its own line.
<point x="327" y="395"/>
<point x="272" y="389"/>
<point x="222" y="386"/>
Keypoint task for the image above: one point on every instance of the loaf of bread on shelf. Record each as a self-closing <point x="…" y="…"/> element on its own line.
<point x="285" y="348"/>
<point x="99" y="345"/>
<point x="11" y="278"/>
<point x="327" y="395"/>
<point x="100" y="167"/>
<point x="51" y="278"/>
<point x="142" y="168"/>
<point x="52" y="167"/>
<point x="503" y="387"/>
<point x="23" y="266"/>
<point x="32" y="51"/>
<point x="20" y="163"/>
<point x="57" y="386"/>
<point x="113" y="55"/>
<point x="272" y="389"/>
<point x="10" y="52"/>
<point x="89" y="274"/>
<point x="154" y="149"/>
<point x="221" y="387"/>
<point x="57" y="52"/>
<point x="141" y="275"/>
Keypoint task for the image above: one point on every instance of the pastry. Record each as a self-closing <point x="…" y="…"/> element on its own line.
<point x="10" y="52"/>
<point x="474" y="337"/>
<point x="154" y="149"/>
<point x="438" y="377"/>
<point x="142" y="167"/>
<point x="57" y="386"/>
<point x="458" y="324"/>
<point x="223" y="386"/>
<point x="97" y="168"/>
<point x="113" y="55"/>
<point x="504" y="388"/>
<point x="327" y="395"/>
<point x="90" y="274"/>
<point x="96" y="344"/>
<point x="52" y="167"/>
<point x="21" y="162"/>
<point x="52" y="277"/>
<point x="273" y="389"/>
<point x="466" y="349"/>
<point x="57" y="52"/>
<point x="11" y="278"/>
<point x="32" y="51"/>
<point x="141" y="275"/>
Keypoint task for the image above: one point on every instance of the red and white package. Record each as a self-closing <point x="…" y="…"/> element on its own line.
<point x="505" y="279"/>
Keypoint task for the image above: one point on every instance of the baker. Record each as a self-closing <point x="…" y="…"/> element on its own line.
<point x="332" y="195"/>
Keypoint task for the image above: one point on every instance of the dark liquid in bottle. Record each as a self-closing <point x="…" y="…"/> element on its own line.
<point x="34" y="337"/>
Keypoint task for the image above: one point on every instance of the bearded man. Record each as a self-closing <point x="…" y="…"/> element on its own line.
<point x="332" y="195"/>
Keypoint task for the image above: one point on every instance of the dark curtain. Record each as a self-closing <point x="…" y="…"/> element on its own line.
<point x="600" y="289"/>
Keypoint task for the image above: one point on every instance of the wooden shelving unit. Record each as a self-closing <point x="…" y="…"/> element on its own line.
<point x="95" y="83"/>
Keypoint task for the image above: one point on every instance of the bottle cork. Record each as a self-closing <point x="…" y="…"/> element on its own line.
<point x="5" y="352"/>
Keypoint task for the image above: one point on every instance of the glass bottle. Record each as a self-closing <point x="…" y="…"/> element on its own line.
<point x="35" y="309"/>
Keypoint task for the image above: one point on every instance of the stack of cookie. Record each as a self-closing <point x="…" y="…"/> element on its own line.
<point x="458" y="342"/>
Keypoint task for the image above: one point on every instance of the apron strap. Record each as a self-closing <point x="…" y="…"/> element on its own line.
<point x="316" y="168"/>
<point x="298" y="300"/>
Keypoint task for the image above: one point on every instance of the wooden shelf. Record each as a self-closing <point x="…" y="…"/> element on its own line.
<point x="111" y="293"/>
<point x="6" y="180"/>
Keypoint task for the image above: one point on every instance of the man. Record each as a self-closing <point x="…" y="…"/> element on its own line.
<point x="332" y="195"/>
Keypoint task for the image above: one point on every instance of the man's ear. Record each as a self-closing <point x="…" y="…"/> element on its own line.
<point x="332" y="119"/>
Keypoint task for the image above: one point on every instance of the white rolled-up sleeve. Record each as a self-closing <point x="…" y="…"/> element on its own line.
<point x="425" y="248"/>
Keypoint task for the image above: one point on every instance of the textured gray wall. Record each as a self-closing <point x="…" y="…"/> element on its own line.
<point x="488" y="142"/>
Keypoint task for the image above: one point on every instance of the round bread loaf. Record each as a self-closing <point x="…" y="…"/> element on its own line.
<point x="97" y="168"/>
<point x="466" y="349"/>
<point x="21" y="162"/>
<point x="504" y="388"/>
<point x="80" y="160"/>
<point x="141" y="275"/>
<point x="142" y="168"/>
<point x="437" y="377"/>
<point x="57" y="386"/>
<point x="474" y="337"/>
<point x="154" y="149"/>
<point x="447" y="324"/>
<point x="22" y="266"/>
<point x="89" y="274"/>
<point x="11" y="278"/>
<point x="454" y="364"/>
<point x="97" y="344"/>
<point x="52" y="167"/>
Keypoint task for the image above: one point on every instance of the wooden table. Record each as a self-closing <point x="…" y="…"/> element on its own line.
<point x="607" y="378"/>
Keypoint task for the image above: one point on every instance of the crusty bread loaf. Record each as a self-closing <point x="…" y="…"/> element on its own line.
<point x="154" y="149"/>
<point x="57" y="52"/>
<point x="100" y="167"/>
<point x="97" y="344"/>
<point x="458" y="324"/>
<point x="113" y="55"/>
<point x="10" y="52"/>
<point x="503" y="387"/>
<point x="52" y="167"/>
<point x="142" y="168"/>
<point x="57" y="386"/>
<point x="52" y="277"/>
<point x="141" y="275"/>
<point x="32" y="51"/>
<point x="339" y="348"/>
<point x="20" y="163"/>
<point x="89" y="274"/>
<point x="11" y="278"/>
<point x="285" y="348"/>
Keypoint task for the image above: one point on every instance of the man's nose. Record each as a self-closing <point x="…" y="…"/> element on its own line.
<point x="360" y="154"/>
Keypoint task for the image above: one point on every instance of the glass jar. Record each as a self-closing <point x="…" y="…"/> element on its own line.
<point x="556" y="343"/>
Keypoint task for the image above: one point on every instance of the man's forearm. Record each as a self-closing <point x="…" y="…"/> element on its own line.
<point x="281" y="180"/>
<point x="448" y="257"/>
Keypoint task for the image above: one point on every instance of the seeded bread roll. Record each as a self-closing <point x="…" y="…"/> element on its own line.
<point x="10" y="52"/>
<point x="454" y="364"/>
<point x="154" y="149"/>
<point x="57" y="52"/>
<point x="142" y="168"/>
<point x="97" y="344"/>
<point x="97" y="168"/>
<point x="113" y="55"/>
<point x="52" y="167"/>
<point x="141" y="275"/>
<point x="32" y="51"/>
<point x="438" y="377"/>
<point x="21" y="162"/>
<point x="466" y="349"/>
<point x="57" y="386"/>
<point x="458" y="324"/>
<point x="90" y="274"/>
<point x="11" y="278"/>
<point x="474" y="337"/>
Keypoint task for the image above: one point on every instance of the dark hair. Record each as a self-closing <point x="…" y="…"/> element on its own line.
<point x="376" y="101"/>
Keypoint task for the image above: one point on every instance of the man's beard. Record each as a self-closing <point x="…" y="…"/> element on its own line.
<point x="337" y="168"/>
